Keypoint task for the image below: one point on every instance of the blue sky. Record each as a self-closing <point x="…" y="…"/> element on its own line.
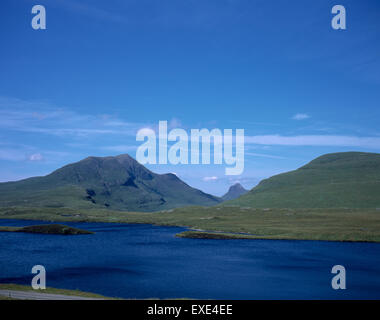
<point x="104" y="69"/>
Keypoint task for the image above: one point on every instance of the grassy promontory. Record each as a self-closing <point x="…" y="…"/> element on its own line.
<point x="194" y="234"/>
<point x="298" y="224"/>
<point x="46" y="229"/>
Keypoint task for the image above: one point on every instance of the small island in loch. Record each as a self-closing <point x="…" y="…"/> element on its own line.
<point x="46" y="229"/>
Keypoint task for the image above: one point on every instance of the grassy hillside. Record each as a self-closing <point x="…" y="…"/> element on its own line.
<point x="118" y="183"/>
<point x="338" y="180"/>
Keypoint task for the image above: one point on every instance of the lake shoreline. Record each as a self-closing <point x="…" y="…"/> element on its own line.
<point x="340" y="225"/>
<point x="218" y="235"/>
<point x="187" y="234"/>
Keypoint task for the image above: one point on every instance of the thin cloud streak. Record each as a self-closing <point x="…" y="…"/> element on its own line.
<point x="46" y="118"/>
<point x="91" y="11"/>
<point x="263" y="155"/>
<point x="300" y="116"/>
<point x="315" y="140"/>
<point x="207" y="179"/>
<point x="120" y="148"/>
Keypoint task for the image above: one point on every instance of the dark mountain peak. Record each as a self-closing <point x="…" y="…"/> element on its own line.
<point x="117" y="182"/>
<point x="111" y="170"/>
<point x="123" y="159"/>
<point x="235" y="191"/>
<point x="237" y="187"/>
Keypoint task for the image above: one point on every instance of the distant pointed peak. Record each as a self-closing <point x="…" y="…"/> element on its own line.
<point x="235" y="191"/>
<point x="237" y="186"/>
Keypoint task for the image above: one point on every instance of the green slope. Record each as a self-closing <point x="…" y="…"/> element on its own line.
<point x="118" y="183"/>
<point x="338" y="180"/>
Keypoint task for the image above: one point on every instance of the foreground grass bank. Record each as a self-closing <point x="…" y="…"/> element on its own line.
<point x="77" y="293"/>
<point x="300" y="224"/>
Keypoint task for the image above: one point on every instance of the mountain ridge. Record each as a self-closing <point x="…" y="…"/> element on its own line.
<point x="119" y="183"/>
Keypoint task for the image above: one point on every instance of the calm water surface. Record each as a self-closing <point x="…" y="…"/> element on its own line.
<point x="145" y="261"/>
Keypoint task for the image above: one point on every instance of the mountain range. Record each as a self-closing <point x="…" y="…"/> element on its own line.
<point x="118" y="183"/>
<point x="337" y="180"/>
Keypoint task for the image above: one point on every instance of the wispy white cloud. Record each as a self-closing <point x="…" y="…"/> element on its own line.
<point x="174" y="123"/>
<point x="90" y="11"/>
<point x="81" y="132"/>
<point x="14" y="152"/>
<point x="207" y="179"/>
<point x="118" y="123"/>
<point x="12" y="155"/>
<point x="120" y="148"/>
<point x="46" y="118"/>
<point x="315" y="140"/>
<point x="263" y="155"/>
<point x="36" y="157"/>
<point x="300" y="116"/>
